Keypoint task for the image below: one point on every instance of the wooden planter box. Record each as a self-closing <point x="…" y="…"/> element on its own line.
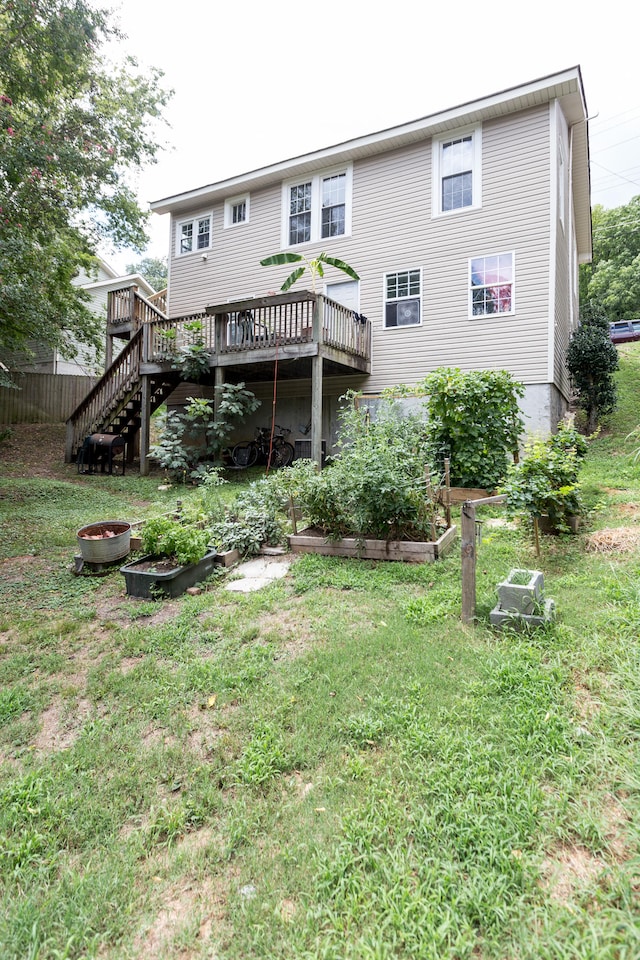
<point x="147" y="578"/>
<point x="406" y="551"/>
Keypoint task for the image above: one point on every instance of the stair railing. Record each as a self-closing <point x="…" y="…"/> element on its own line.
<point x="106" y="396"/>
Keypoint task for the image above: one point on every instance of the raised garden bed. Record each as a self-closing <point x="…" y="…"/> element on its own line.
<point x="150" y="577"/>
<point x="313" y="540"/>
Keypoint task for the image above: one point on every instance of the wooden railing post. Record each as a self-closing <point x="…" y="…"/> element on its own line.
<point x="318" y="318"/>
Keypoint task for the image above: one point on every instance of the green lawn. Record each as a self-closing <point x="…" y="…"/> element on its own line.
<point x="332" y="767"/>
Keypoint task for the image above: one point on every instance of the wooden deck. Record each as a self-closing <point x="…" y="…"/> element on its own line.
<point x="249" y="335"/>
<point x="255" y="331"/>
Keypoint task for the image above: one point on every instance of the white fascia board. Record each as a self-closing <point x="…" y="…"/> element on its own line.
<point x="566" y="84"/>
<point x="131" y="279"/>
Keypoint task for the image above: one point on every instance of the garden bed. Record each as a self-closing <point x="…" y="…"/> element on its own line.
<point x="313" y="540"/>
<point x="149" y="577"/>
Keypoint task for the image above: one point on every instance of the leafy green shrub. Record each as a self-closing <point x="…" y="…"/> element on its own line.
<point x="194" y="438"/>
<point x="163" y="536"/>
<point x="591" y="361"/>
<point x="375" y="486"/>
<point x="475" y="420"/>
<point x="545" y="482"/>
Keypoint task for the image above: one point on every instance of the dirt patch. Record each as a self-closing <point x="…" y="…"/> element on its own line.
<point x="568" y="869"/>
<point x="36" y="450"/>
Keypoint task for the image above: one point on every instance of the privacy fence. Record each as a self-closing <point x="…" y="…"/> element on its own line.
<point x="42" y="398"/>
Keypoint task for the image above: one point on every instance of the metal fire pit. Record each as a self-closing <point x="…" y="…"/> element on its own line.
<point x="102" y="453"/>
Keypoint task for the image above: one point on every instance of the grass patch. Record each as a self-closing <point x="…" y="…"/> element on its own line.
<point x="333" y="766"/>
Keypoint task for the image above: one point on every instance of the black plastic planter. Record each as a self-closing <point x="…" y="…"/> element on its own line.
<point x="145" y="577"/>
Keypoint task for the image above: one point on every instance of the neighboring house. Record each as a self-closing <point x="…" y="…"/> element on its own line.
<point x="85" y="360"/>
<point x="466" y="228"/>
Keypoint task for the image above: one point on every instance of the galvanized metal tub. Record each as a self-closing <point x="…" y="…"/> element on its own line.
<point x="106" y="549"/>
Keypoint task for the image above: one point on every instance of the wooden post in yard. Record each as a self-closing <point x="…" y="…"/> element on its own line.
<point x="316" y="385"/>
<point x="468" y="548"/>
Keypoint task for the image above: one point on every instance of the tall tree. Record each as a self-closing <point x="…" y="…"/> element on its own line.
<point x="612" y="279"/>
<point x="72" y="128"/>
<point x="153" y="269"/>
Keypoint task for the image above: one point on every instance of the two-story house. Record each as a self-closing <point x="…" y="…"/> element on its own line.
<point x="465" y="227"/>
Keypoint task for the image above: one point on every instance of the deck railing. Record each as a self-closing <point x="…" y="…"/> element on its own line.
<point x="262" y="324"/>
<point x="128" y="306"/>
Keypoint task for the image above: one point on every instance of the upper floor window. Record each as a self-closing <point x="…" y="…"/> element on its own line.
<point x="317" y="208"/>
<point x="236" y="210"/>
<point x="193" y="235"/>
<point x="456" y="172"/>
<point x="491" y="285"/>
<point x="403" y="298"/>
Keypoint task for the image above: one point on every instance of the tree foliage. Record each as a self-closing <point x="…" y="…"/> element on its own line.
<point x="612" y="279"/>
<point x="591" y="361"/>
<point x="72" y="129"/>
<point x="153" y="269"/>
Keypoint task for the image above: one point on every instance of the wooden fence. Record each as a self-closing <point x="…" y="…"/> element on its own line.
<point x="42" y="397"/>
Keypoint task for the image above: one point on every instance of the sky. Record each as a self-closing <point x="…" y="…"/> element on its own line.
<point x="256" y="83"/>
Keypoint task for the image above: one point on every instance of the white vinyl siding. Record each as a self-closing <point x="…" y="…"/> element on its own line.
<point x="392" y="228"/>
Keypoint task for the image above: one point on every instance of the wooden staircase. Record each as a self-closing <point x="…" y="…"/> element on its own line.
<point x="114" y="404"/>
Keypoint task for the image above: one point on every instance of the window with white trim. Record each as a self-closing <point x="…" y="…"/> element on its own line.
<point x="403" y="299"/>
<point x="317" y="207"/>
<point x="193" y="235"/>
<point x="236" y="211"/>
<point x="456" y="172"/>
<point x="491" y="285"/>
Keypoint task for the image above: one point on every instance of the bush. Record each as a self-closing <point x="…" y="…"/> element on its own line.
<point x="475" y="420"/>
<point x="591" y="361"/>
<point x="375" y="486"/>
<point x="545" y="482"/>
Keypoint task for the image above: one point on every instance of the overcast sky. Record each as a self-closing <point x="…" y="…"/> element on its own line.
<point x="256" y="83"/>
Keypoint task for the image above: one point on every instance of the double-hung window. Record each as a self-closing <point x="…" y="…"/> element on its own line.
<point x="193" y="235"/>
<point x="491" y="285"/>
<point x="456" y="164"/>
<point x="317" y="207"/>
<point x="403" y="299"/>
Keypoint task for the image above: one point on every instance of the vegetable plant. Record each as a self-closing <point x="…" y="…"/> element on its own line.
<point x="545" y="482"/>
<point x="375" y="486"/>
<point x="163" y="536"/>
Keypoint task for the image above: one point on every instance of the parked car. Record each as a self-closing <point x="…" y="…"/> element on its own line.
<point x="623" y="331"/>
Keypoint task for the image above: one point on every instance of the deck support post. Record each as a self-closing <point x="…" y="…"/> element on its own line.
<point x="145" y="425"/>
<point x="219" y="381"/>
<point x="316" y="409"/>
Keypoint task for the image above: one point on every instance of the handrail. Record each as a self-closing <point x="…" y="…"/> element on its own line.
<point x="111" y="388"/>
